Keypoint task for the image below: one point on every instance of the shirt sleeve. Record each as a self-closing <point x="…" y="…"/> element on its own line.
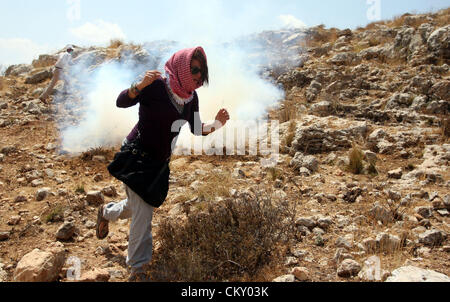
<point x="144" y="98"/>
<point x="124" y="101"/>
<point x="195" y="121"/>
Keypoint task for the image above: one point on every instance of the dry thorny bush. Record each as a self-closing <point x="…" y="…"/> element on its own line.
<point x="233" y="240"/>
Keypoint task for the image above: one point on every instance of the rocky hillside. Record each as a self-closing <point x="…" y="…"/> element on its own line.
<point x="365" y="165"/>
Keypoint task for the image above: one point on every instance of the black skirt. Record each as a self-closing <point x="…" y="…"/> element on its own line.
<point x="146" y="177"/>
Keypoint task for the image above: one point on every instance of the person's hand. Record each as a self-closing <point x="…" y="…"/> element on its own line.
<point x="149" y="78"/>
<point x="223" y="116"/>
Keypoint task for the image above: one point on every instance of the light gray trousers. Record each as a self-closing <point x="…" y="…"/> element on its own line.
<point x="57" y="75"/>
<point x="140" y="238"/>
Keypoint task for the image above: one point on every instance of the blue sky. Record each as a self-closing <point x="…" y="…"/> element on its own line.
<point x="31" y="27"/>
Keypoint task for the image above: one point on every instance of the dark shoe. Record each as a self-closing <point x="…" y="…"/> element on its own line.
<point x="102" y="228"/>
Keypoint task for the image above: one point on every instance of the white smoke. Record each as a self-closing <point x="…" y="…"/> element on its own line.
<point x="102" y="123"/>
<point x="236" y="84"/>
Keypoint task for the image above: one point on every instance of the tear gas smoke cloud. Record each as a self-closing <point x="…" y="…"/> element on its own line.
<point x="236" y="84"/>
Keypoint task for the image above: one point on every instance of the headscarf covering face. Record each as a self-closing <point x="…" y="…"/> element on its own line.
<point x="178" y="69"/>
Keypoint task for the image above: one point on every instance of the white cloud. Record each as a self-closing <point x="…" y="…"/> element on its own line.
<point x="290" y="21"/>
<point x="20" y="51"/>
<point x="99" y="32"/>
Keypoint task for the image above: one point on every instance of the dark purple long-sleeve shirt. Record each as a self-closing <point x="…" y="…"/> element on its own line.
<point x="157" y="116"/>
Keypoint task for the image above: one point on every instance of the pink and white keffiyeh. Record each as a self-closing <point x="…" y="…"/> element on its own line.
<point x="178" y="70"/>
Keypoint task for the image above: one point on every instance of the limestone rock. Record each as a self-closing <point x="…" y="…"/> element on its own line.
<point x="96" y="275"/>
<point x="416" y="274"/>
<point x="285" y="278"/>
<point x="431" y="238"/>
<point x="396" y="174"/>
<point x="65" y="231"/>
<point x="348" y="268"/>
<point x="301" y="273"/>
<point x="42" y="193"/>
<point x="40" y="266"/>
<point x="95" y="198"/>
<point x="301" y="161"/>
<point x="39" y="77"/>
<point x="371" y="270"/>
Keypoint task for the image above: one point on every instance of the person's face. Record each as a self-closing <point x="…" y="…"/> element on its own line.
<point x="196" y="73"/>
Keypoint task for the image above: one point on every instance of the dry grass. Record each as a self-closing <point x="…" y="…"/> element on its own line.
<point x="116" y="43"/>
<point x="398" y="21"/>
<point x="288" y="112"/>
<point x="1" y="83"/>
<point x="356" y="165"/>
<point x="216" y="185"/>
<point x="232" y="241"/>
<point x="445" y="128"/>
<point x="320" y="36"/>
<point x="287" y="142"/>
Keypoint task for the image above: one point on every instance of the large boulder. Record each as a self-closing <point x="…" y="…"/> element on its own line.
<point x="320" y="138"/>
<point x="17" y="70"/>
<point x="416" y="274"/>
<point x="45" y="61"/>
<point x="41" y="266"/>
<point x="345" y="58"/>
<point x="441" y="90"/>
<point x="439" y="42"/>
<point x="39" y="77"/>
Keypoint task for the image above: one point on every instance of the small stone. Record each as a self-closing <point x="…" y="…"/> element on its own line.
<point x="41" y="194"/>
<point x="90" y="224"/>
<point x="291" y="261"/>
<point x="95" y="198"/>
<point x="20" y="198"/>
<point x="431" y="238"/>
<point x="306" y="221"/>
<point x="342" y="242"/>
<point x="324" y="222"/>
<point x="62" y="192"/>
<point x="371" y="270"/>
<point x="4" y="236"/>
<point x="14" y="220"/>
<point x="319" y="241"/>
<point x="443" y="213"/>
<point x="425" y="212"/>
<point x="66" y="231"/>
<point x="96" y="275"/>
<point x="438" y="205"/>
<point x="37" y="183"/>
<point x="318" y="231"/>
<point x="285" y="278"/>
<point x="301" y="273"/>
<point x="348" y="268"/>
<point x="395" y="174"/>
<point x="109" y="191"/>
<point x="98" y="177"/>
<point x="388" y="243"/>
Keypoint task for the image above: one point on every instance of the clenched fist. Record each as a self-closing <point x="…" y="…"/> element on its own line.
<point x="149" y="78"/>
